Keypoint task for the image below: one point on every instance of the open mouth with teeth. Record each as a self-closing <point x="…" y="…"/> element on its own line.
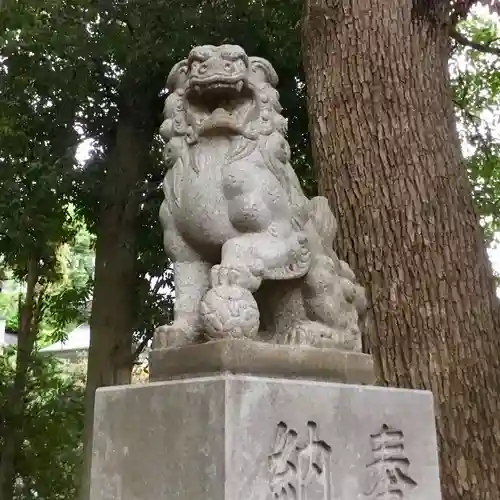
<point x="219" y="104"/>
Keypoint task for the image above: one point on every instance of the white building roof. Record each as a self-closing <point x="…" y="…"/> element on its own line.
<point x="6" y="338"/>
<point x="9" y="339"/>
<point x="77" y="340"/>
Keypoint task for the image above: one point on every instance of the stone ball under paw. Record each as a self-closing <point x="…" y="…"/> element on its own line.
<point x="230" y="312"/>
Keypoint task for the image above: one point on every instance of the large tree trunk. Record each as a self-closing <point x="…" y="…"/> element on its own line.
<point x="388" y="158"/>
<point x="113" y="317"/>
<point x="15" y="406"/>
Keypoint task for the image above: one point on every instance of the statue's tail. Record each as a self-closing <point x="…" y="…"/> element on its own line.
<point x="323" y="220"/>
<point x="321" y="228"/>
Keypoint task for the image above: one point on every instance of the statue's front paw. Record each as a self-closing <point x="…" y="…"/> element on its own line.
<point x="239" y="276"/>
<point x="178" y="334"/>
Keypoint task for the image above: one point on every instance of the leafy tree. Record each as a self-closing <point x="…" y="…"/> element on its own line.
<point x="47" y="464"/>
<point x="37" y="159"/>
<point x="65" y="302"/>
<point x="388" y="156"/>
<point x="66" y="63"/>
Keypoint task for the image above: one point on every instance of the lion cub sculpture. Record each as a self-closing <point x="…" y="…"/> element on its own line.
<point x="252" y="255"/>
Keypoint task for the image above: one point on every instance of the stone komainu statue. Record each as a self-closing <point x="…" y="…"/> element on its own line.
<point x="252" y="255"/>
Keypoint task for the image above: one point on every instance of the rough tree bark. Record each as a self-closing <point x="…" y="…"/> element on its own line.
<point x="14" y="407"/>
<point x="388" y="158"/>
<point x="113" y="318"/>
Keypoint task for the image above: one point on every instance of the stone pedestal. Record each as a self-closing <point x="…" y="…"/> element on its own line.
<point x="243" y="437"/>
<point x="259" y="358"/>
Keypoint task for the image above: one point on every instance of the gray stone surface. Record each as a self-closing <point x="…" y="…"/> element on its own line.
<point x="252" y="254"/>
<point x="259" y="358"/>
<point x="249" y="438"/>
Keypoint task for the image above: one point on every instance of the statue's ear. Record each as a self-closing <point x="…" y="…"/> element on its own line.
<point x="264" y="69"/>
<point x="177" y="76"/>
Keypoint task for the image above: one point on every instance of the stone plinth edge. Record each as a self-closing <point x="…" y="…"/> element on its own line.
<point x="258" y="358"/>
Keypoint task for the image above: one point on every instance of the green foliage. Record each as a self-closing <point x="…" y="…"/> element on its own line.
<point x="47" y="464"/>
<point x="45" y="79"/>
<point x="9" y="305"/>
<point x="64" y="303"/>
<point x="42" y="71"/>
<point x="476" y="86"/>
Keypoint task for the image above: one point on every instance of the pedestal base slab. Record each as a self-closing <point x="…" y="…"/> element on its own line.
<point x="259" y="358"/>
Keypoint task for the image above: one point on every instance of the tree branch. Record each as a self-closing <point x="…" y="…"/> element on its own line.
<point x="130" y="27"/>
<point x="460" y="11"/>
<point x="141" y="346"/>
<point x="159" y="283"/>
<point x="480" y="47"/>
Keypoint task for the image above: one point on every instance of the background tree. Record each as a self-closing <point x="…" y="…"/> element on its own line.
<point x="388" y="157"/>
<point x="48" y="461"/>
<point x="37" y="158"/>
<point x="65" y="302"/>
